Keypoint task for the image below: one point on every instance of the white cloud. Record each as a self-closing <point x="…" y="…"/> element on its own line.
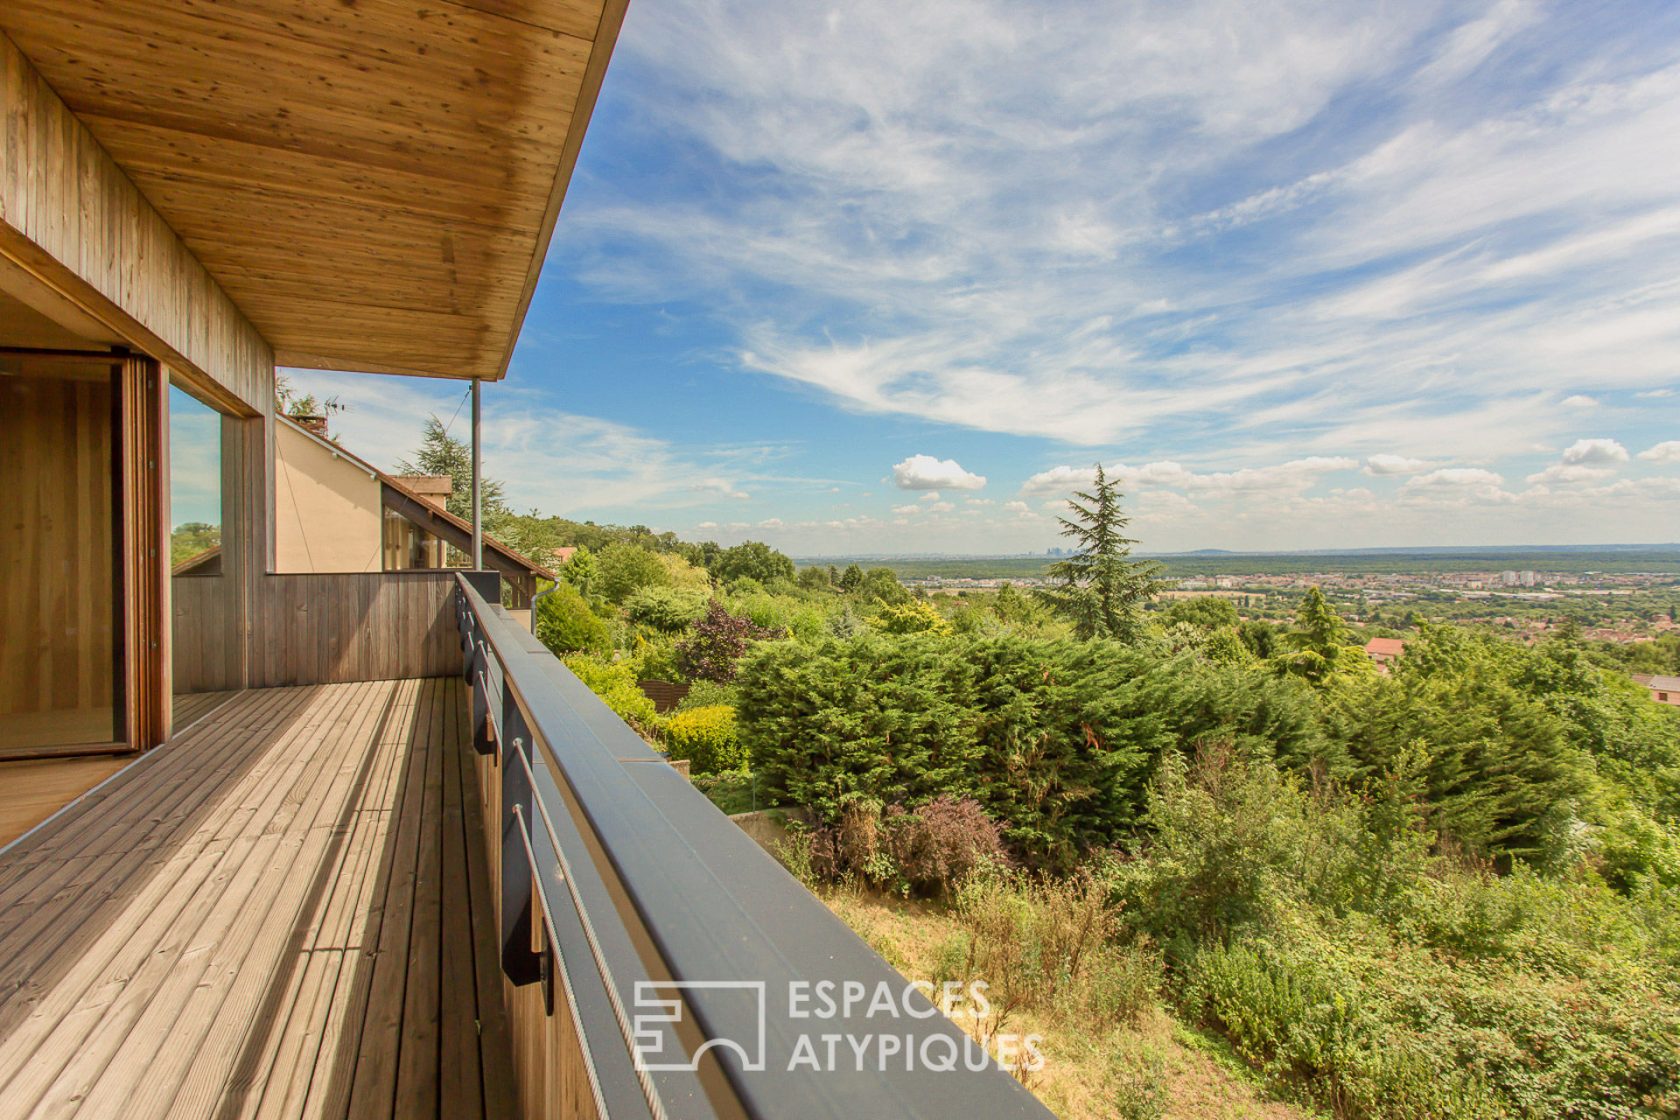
<point x="1580" y="400"/>
<point x="1595" y="451"/>
<point x="706" y="526"/>
<point x="1060" y="480"/>
<point x="1492" y="174"/>
<point x="1384" y="463"/>
<point x="557" y="461"/>
<point x="1018" y="507"/>
<point x="1655" y="394"/>
<point x="924" y="472"/>
<point x="1454" y="478"/>
<point x="941" y="507"/>
<point x="1667" y="451"/>
<point x="1569" y="474"/>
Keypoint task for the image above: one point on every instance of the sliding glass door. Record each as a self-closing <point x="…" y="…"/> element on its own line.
<point x="62" y="671"/>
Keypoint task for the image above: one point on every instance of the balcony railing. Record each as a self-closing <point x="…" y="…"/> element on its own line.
<point x="658" y="962"/>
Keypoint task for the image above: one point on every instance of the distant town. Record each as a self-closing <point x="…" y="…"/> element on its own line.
<point x="1620" y="594"/>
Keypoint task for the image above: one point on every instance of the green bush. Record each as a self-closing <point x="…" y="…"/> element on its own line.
<point x="911" y="618"/>
<point x="624" y="569"/>
<point x="707" y="738"/>
<point x="666" y="609"/>
<point x="615" y="684"/>
<point x="704" y="694"/>
<point x="565" y="624"/>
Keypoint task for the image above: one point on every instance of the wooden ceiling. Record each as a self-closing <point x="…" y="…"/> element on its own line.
<point x="373" y="182"/>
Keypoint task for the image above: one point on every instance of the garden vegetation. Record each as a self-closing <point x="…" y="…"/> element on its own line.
<point x="1451" y="889"/>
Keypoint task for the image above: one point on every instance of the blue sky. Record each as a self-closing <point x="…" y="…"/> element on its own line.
<point x="888" y="278"/>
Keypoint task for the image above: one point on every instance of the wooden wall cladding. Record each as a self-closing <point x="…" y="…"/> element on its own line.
<point x="551" y="1071"/>
<point x="205" y="634"/>
<point x="359" y="626"/>
<point x="71" y="217"/>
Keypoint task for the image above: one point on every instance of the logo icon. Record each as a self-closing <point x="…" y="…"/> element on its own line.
<point x="660" y="1008"/>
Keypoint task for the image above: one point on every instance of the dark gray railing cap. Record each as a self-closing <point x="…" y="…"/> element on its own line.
<point x="675" y="894"/>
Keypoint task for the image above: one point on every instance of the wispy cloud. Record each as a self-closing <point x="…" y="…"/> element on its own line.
<point x="1177" y="218"/>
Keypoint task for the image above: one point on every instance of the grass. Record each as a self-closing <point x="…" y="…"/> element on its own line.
<point x="732" y="792"/>
<point x="1152" y="1068"/>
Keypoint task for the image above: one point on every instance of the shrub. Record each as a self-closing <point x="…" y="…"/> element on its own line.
<point x="911" y="618"/>
<point x="565" y="624"/>
<point x="706" y="737"/>
<point x="654" y="661"/>
<point x="873" y="719"/>
<point x="718" y="641"/>
<point x="704" y="694"/>
<point x="941" y="843"/>
<point x="665" y="609"/>
<point x="623" y="569"/>
<point x="616" y="685"/>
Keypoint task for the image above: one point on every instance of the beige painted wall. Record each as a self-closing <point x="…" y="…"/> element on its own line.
<point x="326" y="509"/>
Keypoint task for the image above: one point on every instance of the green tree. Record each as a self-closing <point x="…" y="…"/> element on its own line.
<point x="815" y="579"/>
<point x="1321" y="644"/>
<point x="581" y="571"/>
<point x="1101" y="590"/>
<point x="442" y="454"/>
<point x="565" y="624"/>
<point x="882" y="585"/>
<point x="1207" y="612"/>
<point x="752" y="560"/>
<point x="624" y="569"/>
<point x="191" y="538"/>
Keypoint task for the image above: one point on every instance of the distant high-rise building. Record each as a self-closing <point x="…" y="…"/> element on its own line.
<point x="1509" y="579"/>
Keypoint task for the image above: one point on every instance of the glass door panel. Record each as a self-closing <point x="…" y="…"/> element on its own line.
<point x="61" y="655"/>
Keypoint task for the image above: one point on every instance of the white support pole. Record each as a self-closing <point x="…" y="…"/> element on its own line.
<point x="477" y="496"/>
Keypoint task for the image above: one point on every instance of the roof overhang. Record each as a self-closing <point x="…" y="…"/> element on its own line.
<point x="374" y="183"/>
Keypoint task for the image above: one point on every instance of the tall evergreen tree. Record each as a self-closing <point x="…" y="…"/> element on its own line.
<point x="441" y="453"/>
<point x="1100" y="588"/>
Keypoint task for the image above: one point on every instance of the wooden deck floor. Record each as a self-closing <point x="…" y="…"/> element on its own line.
<point x="33" y="790"/>
<point x="283" y="912"/>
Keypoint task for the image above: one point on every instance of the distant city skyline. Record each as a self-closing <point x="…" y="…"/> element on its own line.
<point x="888" y="279"/>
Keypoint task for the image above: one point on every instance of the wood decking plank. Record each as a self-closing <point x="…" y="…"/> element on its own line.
<point x="141" y="1075"/>
<point x="495" y="1043"/>
<point x="281" y="1082"/>
<point x="379" y="1039"/>
<point x="257" y="959"/>
<point x="132" y="955"/>
<point x="300" y="923"/>
<point x="331" y="1082"/>
<point x="88" y="1036"/>
<point x="418" y="1056"/>
<point x="460" y="1078"/>
<point x="63" y="923"/>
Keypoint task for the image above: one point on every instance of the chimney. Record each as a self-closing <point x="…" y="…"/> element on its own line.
<point x="316" y="425"/>
<point x="433" y="489"/>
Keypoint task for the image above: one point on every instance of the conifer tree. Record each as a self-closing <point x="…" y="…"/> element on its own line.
<point x="441" y="453"/>
<point x="1100" y="588"/>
